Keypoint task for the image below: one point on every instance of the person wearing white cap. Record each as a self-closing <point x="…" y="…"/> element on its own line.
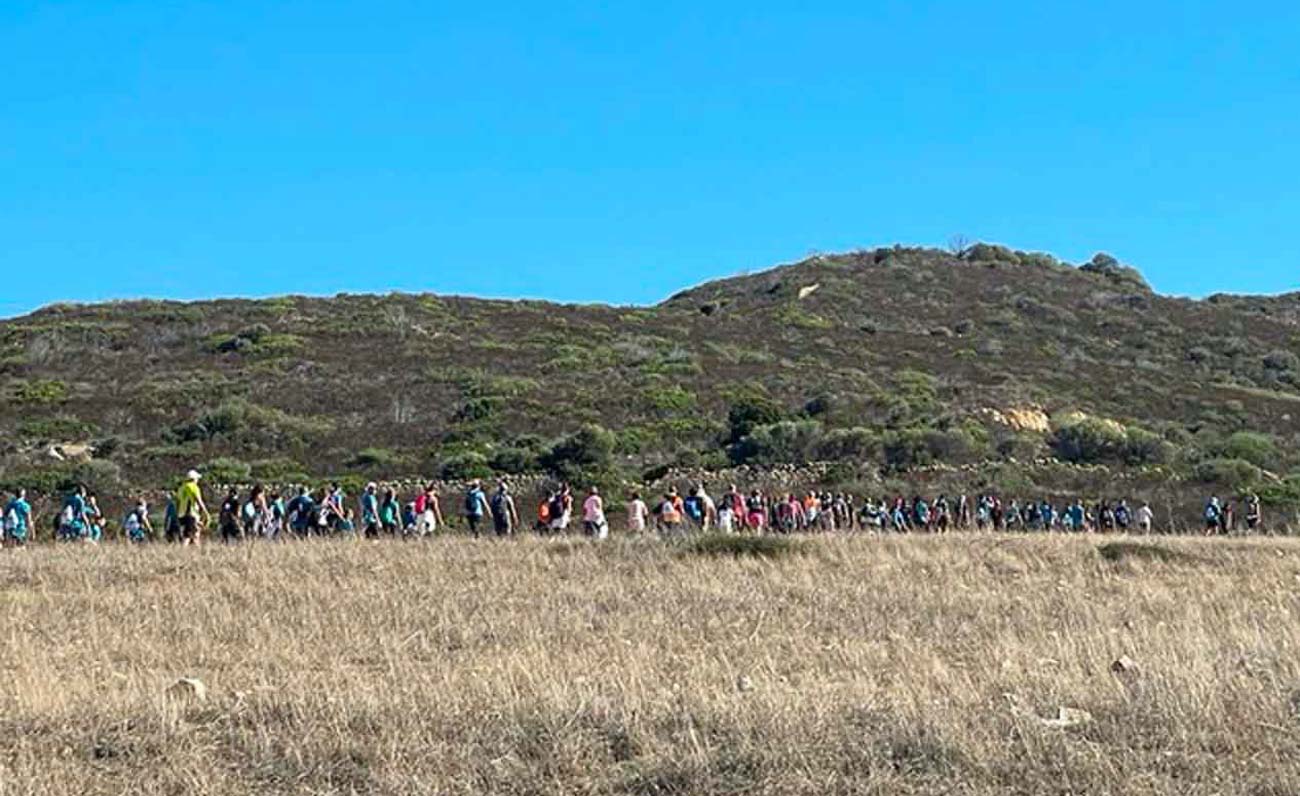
<point x="189" y="504"/>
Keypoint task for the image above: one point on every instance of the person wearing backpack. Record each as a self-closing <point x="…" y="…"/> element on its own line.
<point x="256" y="514"/>
<point x="428" y="511"/>
<point x="228" y="517"/>
<point x="136" y="524"/>
<point x="505" y="519"/>
<point x="476" y="506"/>
<point x="561" y="510"/>
<point x="17" y="519"/>
<point x="73" y="520"/>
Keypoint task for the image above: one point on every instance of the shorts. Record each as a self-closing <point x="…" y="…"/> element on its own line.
<point x="189" y="528"/>
<point x="502" y="526"/>
<point x="474" y="520"/>
<point x="372" y="529"/>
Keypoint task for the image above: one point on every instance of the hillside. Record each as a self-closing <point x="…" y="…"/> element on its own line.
<point x="886" y="360"/>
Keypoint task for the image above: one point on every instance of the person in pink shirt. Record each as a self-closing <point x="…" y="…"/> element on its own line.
<point x="593" y="515"/>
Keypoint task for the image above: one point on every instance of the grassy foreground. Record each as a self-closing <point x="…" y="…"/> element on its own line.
<point x="913" y="665"/>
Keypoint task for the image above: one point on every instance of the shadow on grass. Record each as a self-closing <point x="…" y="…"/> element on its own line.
<point x="1119" y="552"/>
<point x="742" y="546"/>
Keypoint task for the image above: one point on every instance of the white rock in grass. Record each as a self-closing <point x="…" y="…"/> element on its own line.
<point x="188" y="688"/>
<point x="1068" y="718"/>
<point x="743" y="684"/>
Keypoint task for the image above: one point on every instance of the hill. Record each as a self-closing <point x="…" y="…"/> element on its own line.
<point x="888" y="361"/>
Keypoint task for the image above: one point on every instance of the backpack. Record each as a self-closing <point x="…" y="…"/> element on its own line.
<point x="249" y="511"/>
<point x="473" y="503"/>
<point x="499" y="504"/>
<point x="11" y="520"/>
<point x="544" y="511"/>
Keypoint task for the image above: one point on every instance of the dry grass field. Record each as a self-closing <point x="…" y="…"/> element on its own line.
<point x="853" y="665"/>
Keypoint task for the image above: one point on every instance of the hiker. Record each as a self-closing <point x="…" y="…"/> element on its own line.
<point x="693" y="507"/>
<point x="228" y="517"/>
<point x="370" y="510"/>
<point x="1123" y="517"/>
<point x="735" y="501"/>
<point x="94" y="519"/>
<point x="1213" y="515"/>
<point x="1078" y="517"/>
<point x="561" y="510"/>
<point x="1145" y="518"/>
<point x="136" y="524"/>
<point x="505" y="518"/>
<point x="189" y="505"/>
<point x="256" y="513"/>
<point x="171" y="522"/>
<point x="544" y="508"/>
<point x="72" y="519"/>
<point x="669" y="514"/>
<point x="921" y="513"/>
<point x="1254" y="514"/>
<point x="755" y="517"/>
<point x="726" y="515"/>
<point x="301" y="510"/>
<point x="333" y="512"/>
<point x="637" y="513"/>
<point x="390" y="512"/>
<point x="409" y="519"/>
<point x="277" y="513"/>
<point x="593" y="515"/>
<point x="17" y="520"/>
<point x="476" y="506"/>
<point x="428" y="511"/>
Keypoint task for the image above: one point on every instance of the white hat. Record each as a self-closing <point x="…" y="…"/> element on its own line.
<point x="192" y="475"/>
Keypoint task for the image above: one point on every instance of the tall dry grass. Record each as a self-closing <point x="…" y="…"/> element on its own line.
<point x="859" y="665"/>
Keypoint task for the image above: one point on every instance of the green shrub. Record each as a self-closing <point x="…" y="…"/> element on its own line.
<point x="856" y="444"/>
<point x="1258" y="449"/>
<point x="1282" y="360"/>
<point x="583" y="455"/>
<point x="1235" y="474"/>
<point x="786" y="441"/>
<point x="39" y="392"/>
<point x="56" y="428"/>
<point x="750" y="409"/>
<point x="1089" y="440"/>
<point x="465" y="466"/>
<point x="226" y="470"/>
<point x="373" y="458"/>
<point x="282" y="470"/>
<point x="673" y="399"/>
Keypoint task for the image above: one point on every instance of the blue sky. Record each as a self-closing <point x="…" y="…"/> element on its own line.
<point x="592" y="152"/>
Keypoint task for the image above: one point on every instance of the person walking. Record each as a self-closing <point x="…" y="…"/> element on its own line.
<point x="17" y="520"/>
<point x="189" y="507"/>
<point x="476" y="506"/>
<point x="505" y="515"/>
<point x="593" y="515"/>
<point x="370" y="510"/>
<point x="637" y="513"/>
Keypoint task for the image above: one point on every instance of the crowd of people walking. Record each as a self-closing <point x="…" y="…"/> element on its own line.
<point x="379" y="511"/>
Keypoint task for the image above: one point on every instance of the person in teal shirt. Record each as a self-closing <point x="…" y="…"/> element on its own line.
<point x="73" y="522"/>
<point x="17" y="519"/>
<point x="370" y="510"/>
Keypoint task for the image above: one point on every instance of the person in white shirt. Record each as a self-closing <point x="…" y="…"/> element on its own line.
<point x="636" y="514"/>
<point x="593" y="515"/>
<point x="1145" y="518"/>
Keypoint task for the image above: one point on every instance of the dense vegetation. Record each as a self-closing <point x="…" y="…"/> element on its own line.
<point x="888" y="361"/>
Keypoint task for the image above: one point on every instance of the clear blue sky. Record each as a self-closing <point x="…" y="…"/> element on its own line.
<point x="568" y="151"/>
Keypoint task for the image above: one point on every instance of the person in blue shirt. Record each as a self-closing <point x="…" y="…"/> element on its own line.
<point x="94" y="532"/>
<point x="17" y="519"/>
<point x="476" y="506"/>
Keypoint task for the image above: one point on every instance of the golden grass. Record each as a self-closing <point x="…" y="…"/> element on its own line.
<point x="858" y="665"/>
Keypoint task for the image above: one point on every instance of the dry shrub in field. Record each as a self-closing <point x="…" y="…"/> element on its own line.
<point x="862" y="665"/>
